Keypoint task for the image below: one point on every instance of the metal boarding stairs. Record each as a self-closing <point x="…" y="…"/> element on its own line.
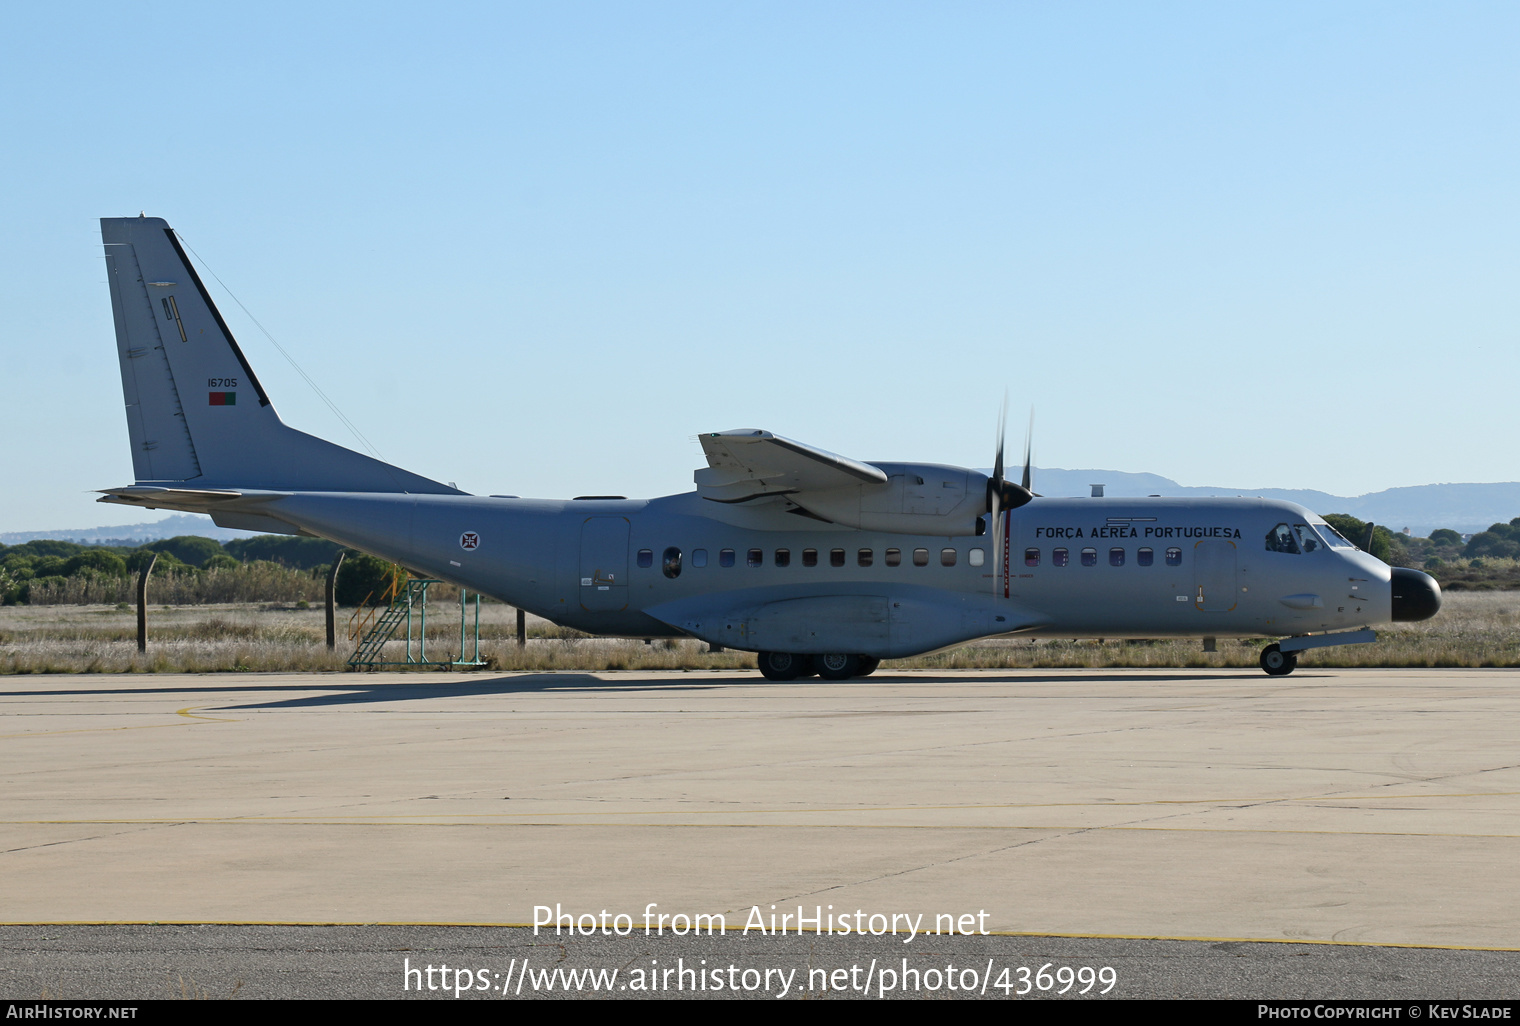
<point x="372" y="626"/>
<point x="371" y="632"/>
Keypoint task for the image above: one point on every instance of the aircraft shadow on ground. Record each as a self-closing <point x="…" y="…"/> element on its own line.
<point x="358" y="691"/>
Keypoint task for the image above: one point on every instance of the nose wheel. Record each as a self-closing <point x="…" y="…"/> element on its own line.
<point x="1277" y="662"/>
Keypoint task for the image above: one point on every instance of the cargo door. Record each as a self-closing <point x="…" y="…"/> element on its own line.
<point x="604" y="564"/>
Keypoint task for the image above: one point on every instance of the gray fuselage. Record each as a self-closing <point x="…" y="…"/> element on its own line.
<point x="1114" y="567"/>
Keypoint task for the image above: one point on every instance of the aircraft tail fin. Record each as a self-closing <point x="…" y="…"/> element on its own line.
<point x="196" y="413"/>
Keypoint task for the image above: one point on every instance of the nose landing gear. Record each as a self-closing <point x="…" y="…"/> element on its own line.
<point x="1277" y="662"/>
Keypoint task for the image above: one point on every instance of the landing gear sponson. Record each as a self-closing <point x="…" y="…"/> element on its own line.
<point x="1277" y="659"/>
<point x="830" y="665"/>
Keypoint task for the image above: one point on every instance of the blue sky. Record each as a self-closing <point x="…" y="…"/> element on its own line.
<point x="536" y="248"/>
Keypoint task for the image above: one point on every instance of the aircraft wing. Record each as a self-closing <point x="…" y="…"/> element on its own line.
<point x="750" y="464"/>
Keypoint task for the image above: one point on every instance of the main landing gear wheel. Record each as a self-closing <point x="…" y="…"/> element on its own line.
<point x="784" y="665"/>
<point x="868" y="665"/>
<point x="1277" y="662"/>
<point x="837" y="666"/>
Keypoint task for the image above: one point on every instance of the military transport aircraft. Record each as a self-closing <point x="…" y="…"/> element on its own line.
<point x="818" y="562"/>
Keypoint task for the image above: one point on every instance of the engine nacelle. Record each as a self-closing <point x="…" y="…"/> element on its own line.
<point x="917" y="498"/>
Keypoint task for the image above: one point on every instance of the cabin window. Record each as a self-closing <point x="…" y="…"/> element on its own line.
<point x="1089" y="557"/>
<point x="1059" y="557"/>
<point x="836" y="557"/>
<point x="1031" y="557"/>
<point x="646" y="558"/>
<point x="1116" y="556"/>
<point x="699" y="557"/>
<point x="1145" y="557"/>
<point x="946" y="557"/>
<point x="1173" y="557"/>
<point x="783" y="557"/>
<point x="809" y="557"/>
<point x="671" y="563"/>
<point x="920" y="557"/>
<point x="755" y="557"/>
<point x="976" y="557"/>
<point x="894" y="557"/>
<point x="863" y="557"/>
<point x="726" y="557"/>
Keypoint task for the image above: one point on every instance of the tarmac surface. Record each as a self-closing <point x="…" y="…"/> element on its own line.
<point x="1364" y="807"/>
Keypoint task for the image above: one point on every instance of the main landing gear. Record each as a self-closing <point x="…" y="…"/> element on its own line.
<point x="830" y="666"/>
<point x="1277" y="662"/>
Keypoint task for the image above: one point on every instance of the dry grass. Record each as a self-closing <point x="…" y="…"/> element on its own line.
<point x="1474" y="629"/>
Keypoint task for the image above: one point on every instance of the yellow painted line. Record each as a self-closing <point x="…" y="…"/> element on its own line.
<point x="1159" y="802"/>
<point x="186" y="712"/>
<point x="189" y="712"/>
<point x="739" y="930"/>
<point x="427" y="822"/>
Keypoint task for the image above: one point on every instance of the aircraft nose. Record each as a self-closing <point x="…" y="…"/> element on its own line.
<point x="1416" y="596"/>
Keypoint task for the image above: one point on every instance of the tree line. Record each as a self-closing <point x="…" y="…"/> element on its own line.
<point x="1487" y="560"/>
<point x="189" y="568"/>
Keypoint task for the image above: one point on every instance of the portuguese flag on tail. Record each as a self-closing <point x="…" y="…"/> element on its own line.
<point x="223" y="398"/>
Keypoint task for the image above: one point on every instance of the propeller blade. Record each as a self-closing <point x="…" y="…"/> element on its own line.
<point x="1002" y="437"/>
<point x="995" y="496"/>
<point x="1003" y="494"/>
<point x="1029" y="455"/>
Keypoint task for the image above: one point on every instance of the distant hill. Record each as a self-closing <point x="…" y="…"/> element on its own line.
<point x="135" y="534"/>
<point x="1421" y="508"/>
<point x="1466" y="508"/>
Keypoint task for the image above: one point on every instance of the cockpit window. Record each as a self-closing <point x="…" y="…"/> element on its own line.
<point x="1280" y="539"/>
<point x="1306" y="538"/>
<point x="1332" y="537"/>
